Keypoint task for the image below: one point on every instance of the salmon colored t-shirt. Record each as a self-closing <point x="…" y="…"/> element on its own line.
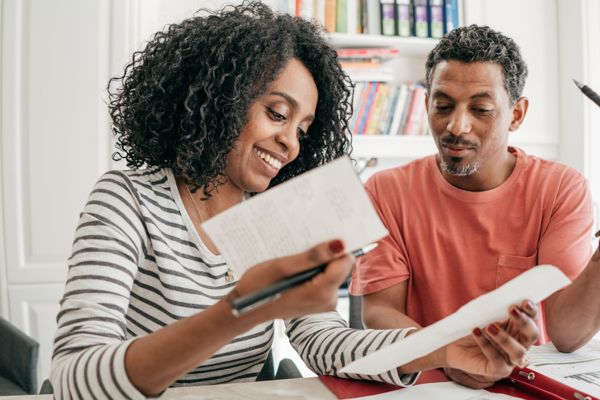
<point x="453" y="245"/>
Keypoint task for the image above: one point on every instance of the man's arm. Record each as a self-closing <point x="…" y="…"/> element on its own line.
<point x="386" y="309"/>
<point x="573" y="314"/>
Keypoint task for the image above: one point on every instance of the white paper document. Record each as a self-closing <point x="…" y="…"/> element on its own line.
<point x="579" y="369"/>
<point x="436" y="391"/>
<point x="535" y="284"/>
<point x="325" y="203"/>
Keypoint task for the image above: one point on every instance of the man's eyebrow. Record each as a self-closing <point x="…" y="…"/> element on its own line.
<point x="485" y="95"/>
<point x="480" y="95"/>
<point x="443" y="95"/>
<point x="292" y="101"/>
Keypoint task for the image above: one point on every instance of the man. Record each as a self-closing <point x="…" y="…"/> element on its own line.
<point x="478" y="213"/>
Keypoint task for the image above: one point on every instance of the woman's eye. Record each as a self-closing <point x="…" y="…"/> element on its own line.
<point x="276" y="116"/>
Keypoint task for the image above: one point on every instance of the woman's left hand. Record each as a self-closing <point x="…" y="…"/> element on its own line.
<point x="491" y="354"/>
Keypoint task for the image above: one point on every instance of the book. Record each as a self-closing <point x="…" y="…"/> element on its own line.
<point x="341" y="16"/>
<point x="330" y="15"/>
<point x="450" y="15"/>
<point x="436" y="20"/>
<point x="373" y="17"/>
<point x="398" y="109"/>
<point x="388" y="17"/>
<point x="352" y="16"/>
<point x="421" y="18"/>
<point x="403" y="17"/>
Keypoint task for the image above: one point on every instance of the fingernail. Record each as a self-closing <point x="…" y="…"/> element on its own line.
<point x="515" y="312"/>
<point x="530" y="306"/>
<point x="336" y="246"/>
<point x="477" y="332"/>
<point x="493" y="329"/>
<point x="524" y="362"/>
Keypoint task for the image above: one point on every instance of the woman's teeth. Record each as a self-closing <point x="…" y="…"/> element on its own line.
<point x="268" y="159"/>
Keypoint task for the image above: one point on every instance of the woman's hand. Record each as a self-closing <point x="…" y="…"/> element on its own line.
<point x="487" y="356"/>
<point x="317" y="295"/>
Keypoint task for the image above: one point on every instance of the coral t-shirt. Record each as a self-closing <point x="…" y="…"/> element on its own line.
<point x="453" y="245"/>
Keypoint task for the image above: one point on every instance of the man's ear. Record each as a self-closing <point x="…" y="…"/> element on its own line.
<point x="519" y="111"/>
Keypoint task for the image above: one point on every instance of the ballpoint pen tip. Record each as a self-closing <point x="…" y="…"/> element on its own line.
<point x="579" y="85"/>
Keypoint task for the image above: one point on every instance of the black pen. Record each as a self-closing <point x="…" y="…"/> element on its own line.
<point x="590" y="94"/>
<point x="250" y="301"/>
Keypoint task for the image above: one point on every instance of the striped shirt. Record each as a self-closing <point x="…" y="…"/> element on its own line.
<point x="137" y="265"/>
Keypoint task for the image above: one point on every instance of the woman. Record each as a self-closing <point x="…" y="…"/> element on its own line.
<point x="215" y="108"/>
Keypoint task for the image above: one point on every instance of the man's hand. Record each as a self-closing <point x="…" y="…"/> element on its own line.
<point x="490" y="355"/>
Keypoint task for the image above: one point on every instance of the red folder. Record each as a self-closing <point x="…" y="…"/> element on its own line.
<point x="547" y="387"/>
<point x="348" y="388"/>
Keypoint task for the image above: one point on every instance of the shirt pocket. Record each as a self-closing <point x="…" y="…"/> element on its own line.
<point x="512" y="266"/>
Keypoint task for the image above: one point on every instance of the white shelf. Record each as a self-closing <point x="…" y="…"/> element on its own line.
<point x="384" y="146"/>
<point x="410" y="147"/>
<point x="408" y="46"/>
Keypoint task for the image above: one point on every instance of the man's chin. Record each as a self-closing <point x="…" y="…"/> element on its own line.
<point x="460" y="168"/>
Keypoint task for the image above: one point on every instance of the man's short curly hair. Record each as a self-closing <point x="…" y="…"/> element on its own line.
<point x="182" y="101"/>
<point x="481" y="44"/>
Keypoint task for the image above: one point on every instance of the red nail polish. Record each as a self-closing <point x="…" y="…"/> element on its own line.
<point x="477" y="332"/>
<point x="493" y="329"/>
<point x="515" y="312"/>
<point x="336" y="246"/>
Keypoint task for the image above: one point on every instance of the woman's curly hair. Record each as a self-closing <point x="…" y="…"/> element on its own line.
<point x="182" y="101"/>
<point x="481" y="44"/>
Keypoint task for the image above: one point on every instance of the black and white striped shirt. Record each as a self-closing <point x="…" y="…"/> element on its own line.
<point x="137" y="265"/>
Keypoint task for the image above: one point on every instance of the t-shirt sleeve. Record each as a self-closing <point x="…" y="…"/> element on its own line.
<point x="90" y="343"/>
<point x="566" y="242"/>
<point x="388" y="264"/>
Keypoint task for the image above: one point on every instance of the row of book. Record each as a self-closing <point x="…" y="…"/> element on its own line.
<point x="382" y="108"/>
<point x="368" y="63"/>
<point x="420" y="18"/>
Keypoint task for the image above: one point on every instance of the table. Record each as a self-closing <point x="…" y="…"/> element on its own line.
<point x="297" y="389"/>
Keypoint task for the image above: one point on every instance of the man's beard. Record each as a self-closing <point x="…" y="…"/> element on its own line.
<point x="458" y="169"/>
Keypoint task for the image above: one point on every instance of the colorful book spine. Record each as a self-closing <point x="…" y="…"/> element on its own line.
<point x="436" y="22"/>
<point x="421" y="18"/>
<point x="373" y="88"/>
<point x="403" y="17"/>
<point x="388" y="17"/>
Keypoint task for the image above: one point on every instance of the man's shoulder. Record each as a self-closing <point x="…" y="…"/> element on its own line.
<point x="545" y="170"/>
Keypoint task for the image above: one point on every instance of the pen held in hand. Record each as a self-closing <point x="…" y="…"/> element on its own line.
<point x="250" y="301"/>
<point x="589" y="93"/>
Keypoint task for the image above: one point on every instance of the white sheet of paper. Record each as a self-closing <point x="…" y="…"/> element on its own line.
<point x="325" y="203"/>
<point x="535" y="284"/>
<point x="436" y="391"/>
<point x="579" y="369"/>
